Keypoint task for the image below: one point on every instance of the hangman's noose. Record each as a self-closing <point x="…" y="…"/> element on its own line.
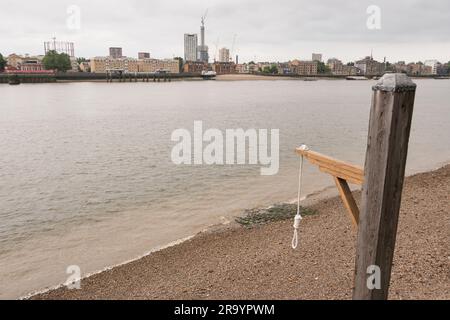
<point x="298" y="217"/>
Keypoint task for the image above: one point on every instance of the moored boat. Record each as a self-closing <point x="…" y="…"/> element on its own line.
<point x="14" y="80"/>
<point x="356" y="78"/>
<point x="209" y="75"/>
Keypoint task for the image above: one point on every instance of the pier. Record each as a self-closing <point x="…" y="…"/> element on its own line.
<point x="27" y="78"/>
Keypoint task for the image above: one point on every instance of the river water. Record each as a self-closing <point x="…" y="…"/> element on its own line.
<point x="86" y="176"/>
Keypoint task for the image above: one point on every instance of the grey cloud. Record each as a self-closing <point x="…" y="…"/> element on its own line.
<point x="268" y="30"/>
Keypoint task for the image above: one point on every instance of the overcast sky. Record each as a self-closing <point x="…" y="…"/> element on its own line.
<point x="281" y="30"/>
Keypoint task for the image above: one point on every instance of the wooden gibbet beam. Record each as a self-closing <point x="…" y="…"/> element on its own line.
<point x="347" y="198"/>
<point x="351" y="173"/>
<point x="341" y="172"/>
<point x="387" y="148"/>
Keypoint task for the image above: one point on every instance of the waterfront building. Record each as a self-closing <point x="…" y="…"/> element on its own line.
<point x="338" y="68"/>
<point x="334" y="64"/>
<point x="103" y="64"/>
<point x="418" y="69"/>
<point x="252" y="67"/>
<point x="224" y="67"/>
<point x="131" y="65"/>
<point x="167" y="65"/>
<point x="224" y="55"/>
<point x="195" y="67"/>
<point x="115" y="52"/>
<point x="369" y="66"/>
<point x="190" y="47"/>
<point x="242" y="68"/>
<point x="433" y="64"/>
<point x="14" y="60"/>
<point x="284" y="68"/>
<point x="400" y="67"/>
<point x="32" y="64"/>
<point x="348" y="70"/>
<point x="303" y="67"/>
<point x="25" y="63"/>
<point x="443" y="69"/>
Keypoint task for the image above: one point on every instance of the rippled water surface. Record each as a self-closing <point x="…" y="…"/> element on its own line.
<point x="86" y="177"/>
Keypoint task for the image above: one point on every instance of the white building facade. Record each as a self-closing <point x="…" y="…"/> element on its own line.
<point x="190" y="47"/>
<point x="224" y="55"/>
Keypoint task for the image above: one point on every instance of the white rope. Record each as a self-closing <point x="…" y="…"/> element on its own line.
<point x="298" y="216"/>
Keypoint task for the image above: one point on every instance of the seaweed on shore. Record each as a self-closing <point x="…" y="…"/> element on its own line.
<point x="277" y="212"/>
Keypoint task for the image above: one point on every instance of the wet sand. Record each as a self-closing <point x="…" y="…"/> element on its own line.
<point x="243" y="76"/>
<point x="233" y="262"/>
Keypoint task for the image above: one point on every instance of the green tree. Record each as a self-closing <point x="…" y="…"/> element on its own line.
<point x="271" y="70"/>
<point x="322" y="68"/>
<point x="57" y="61"/>
<point x="2" y="63"/>
<point x="390" y="67"/>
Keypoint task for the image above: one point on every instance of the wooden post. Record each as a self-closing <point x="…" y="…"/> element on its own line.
<point x="384" y="172"/>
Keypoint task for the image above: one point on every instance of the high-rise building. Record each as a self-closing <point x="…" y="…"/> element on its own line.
<point x="190" y="47"/>
<point x="317" y="57"/>
<point x="143" y="55"/>
<point x="224" y="55"/>
<point x="115" y="52"/>
<point x="203" y="55"/>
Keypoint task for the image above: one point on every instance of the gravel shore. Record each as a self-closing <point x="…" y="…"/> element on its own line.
<point x="234" y="262"/>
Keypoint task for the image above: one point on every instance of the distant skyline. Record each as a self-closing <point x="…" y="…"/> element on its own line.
<point x="411" y="30"/>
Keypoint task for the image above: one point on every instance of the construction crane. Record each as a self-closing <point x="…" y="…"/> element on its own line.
<point x="232" y="47"/>
<point x="217" y="48"/>
<point x="204" y="17"/>
<point x="202" y="30"/>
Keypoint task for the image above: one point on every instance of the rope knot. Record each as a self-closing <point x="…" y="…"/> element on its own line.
<point x="297" y="220"/>
<point x="298" y="217"/>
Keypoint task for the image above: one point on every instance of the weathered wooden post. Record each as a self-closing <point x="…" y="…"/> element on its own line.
<point x="387" y="148"/>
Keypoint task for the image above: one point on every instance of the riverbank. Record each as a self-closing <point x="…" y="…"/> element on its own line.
<point x="247" y="77"/>
<point x="101" y="77"/>
<point x="235" y="262"/>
